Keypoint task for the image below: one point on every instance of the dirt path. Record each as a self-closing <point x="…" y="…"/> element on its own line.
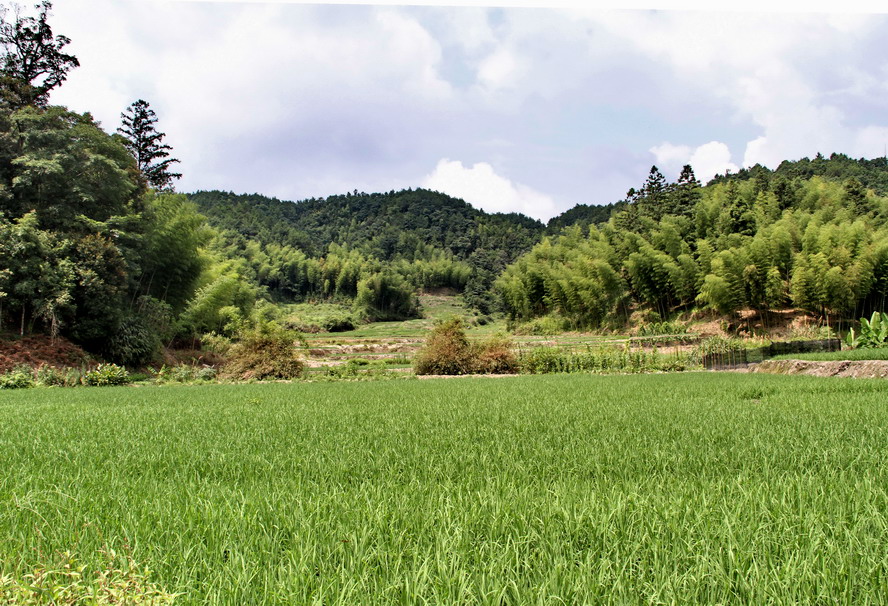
<point x="861" y="369"/>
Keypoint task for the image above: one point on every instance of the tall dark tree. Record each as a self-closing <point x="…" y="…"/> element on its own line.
<point x="855" y="196"/>
<point x="145" y="144"/>
<point x="33" y="61"/>
<point x="685" y="193"/>
<point x="654" y="194"/>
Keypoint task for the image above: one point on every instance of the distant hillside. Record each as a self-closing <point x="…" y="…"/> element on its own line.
<point x="387" y="226"/>
<point x="872" y="174"/>
<point x="583" y="214"/>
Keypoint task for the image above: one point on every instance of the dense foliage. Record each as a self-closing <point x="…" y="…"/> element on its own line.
<point x="869" y="173"/>
<point x="96" y="247"/>
<point x="432" y="240"/>
<point x="765" y="243"/>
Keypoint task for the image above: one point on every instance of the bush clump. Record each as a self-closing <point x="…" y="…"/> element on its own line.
<point x="105" y="375"/>
<point x="50" y="376"/>
<point x="265" y="352"/>
<point x="494" y="355"/>
<point x="184" y="373"/>
<point x="20" y="377"/>
<point x="447" y="351"/>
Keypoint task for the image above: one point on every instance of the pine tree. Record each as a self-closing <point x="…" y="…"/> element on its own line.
<point x="654" y="194"/>
<point x="686" y="192"/>
<point x="144" y="143"/>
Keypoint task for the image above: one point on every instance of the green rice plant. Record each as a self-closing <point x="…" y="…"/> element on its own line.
<point x="398" y="360"/>
<point x="358" y="369"/>
<point x="544" y="360"/>
<point x="685" y="488"/>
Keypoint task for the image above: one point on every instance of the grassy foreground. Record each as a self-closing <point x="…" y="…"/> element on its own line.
<point x="695" y="488"/>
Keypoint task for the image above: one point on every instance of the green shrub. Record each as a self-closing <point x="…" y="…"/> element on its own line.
<point x="446" y="351"/>
<point x="20" y="377"/>
<point x="216" y="343"/>
<point x="206" y="373"/>
<point x="653" y="329"/>
<point x="873" y="332"/>
<point x="543" y="326"/>
<point x="338" y="322"/>
<point x="106" y="375"/>
<point x="73" y="377"/>
<point x="184" y="373"/>
<point x="544" y="360"/>
<point x="134" y="343"/>
<point x="50" y="376"/>
<point x="266" y="352"/>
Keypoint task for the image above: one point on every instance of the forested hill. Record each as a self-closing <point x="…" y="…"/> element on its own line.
<point x="871" y="174"/>
<point x="387" y="226"/>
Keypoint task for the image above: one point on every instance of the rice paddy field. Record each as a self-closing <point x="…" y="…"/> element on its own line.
<point x="695" y="488"/>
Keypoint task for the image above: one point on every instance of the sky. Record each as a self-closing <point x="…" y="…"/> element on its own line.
<point x="510" y="107"/>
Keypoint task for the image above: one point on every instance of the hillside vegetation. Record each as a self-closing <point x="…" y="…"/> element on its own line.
<point x="818" y="244"/>
<point x="97" y="247"/>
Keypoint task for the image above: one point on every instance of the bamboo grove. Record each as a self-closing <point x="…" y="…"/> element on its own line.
<point x="762" y="243"/>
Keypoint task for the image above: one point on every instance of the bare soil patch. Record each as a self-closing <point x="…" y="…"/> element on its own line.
<point x="861" y="369"/>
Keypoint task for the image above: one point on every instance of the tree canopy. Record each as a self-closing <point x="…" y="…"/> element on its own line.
<point x="33" y="61"/>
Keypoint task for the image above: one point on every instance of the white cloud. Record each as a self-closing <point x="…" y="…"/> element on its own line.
<point x="796" y="82"/>
<point x="230" y="80"/>
<point x="499" y="70"/>
<point x="299" y="101"/>
<point x="707" y="160"/>
<point x="711" y="159"/>
<point x="481" y="187"/>
<point x="671" y="158"/>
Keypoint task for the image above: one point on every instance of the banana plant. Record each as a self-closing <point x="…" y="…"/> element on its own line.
<point x="873" y="332"/>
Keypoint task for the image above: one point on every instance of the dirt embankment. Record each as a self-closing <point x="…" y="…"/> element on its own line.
<point x="40" y="350"/>
<point x="861" y="369"/>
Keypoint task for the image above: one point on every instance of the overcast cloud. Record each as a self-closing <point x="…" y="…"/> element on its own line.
<point x="512" y="109"/>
